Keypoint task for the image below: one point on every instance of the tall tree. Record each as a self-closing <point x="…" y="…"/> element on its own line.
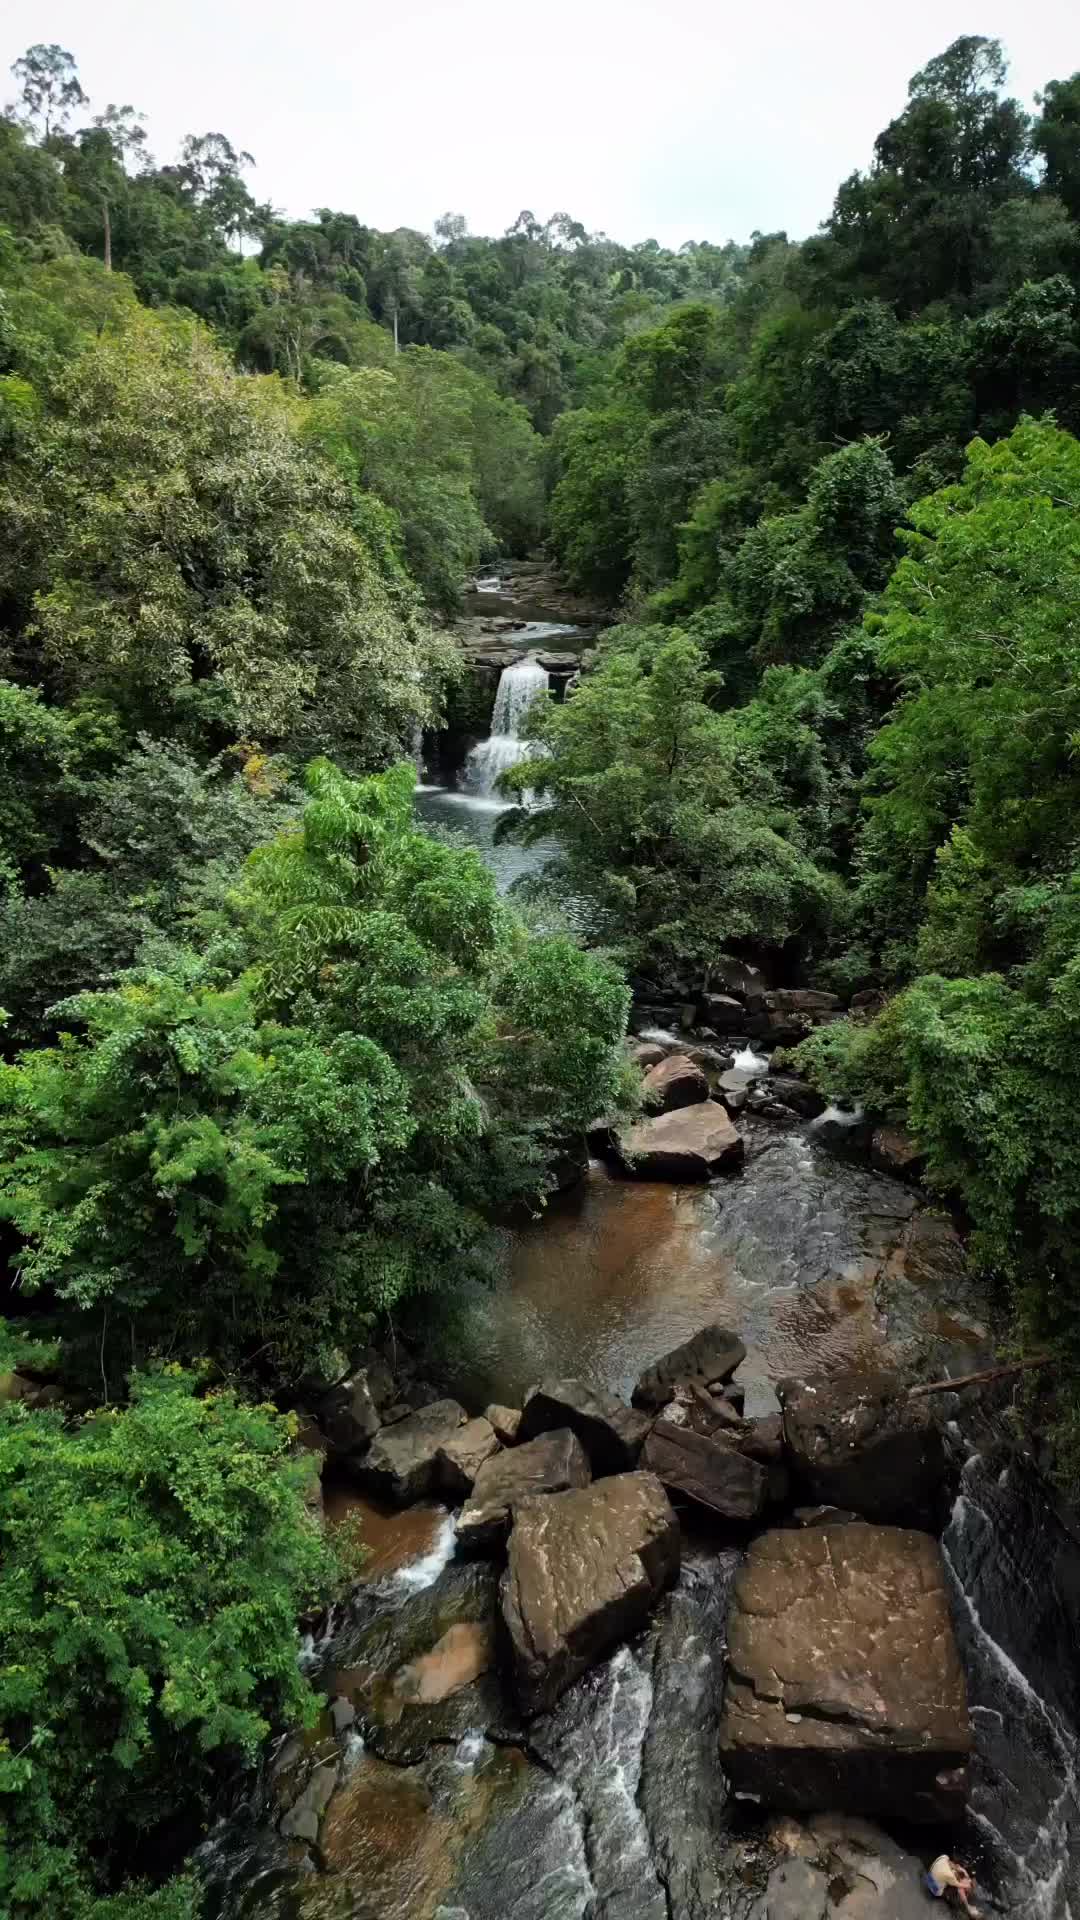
<point x="49" y="87"/>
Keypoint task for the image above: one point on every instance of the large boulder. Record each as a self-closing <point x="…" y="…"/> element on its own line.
<point x="673" y="1083"/>
<point x="709" y="1472"/>
<point x="402" y="1463"/>
<point x="708" y="1358"/>
<point x="790" y="1013"/>
<point x="734" y="1087"/>
<point x="611" y="1433"/>
<point x="550" y="1464"/>
<point x="350" y="1415"/>
<point x="844" y="1685"/>
<point x="723" y="1013"/>
<point x="505" y="1422"/>
<point x="858" y="1440"/>
<point x="584" y="1569"/>
<point x="799" y="1095"/>
<point x="840" y="1867"/>
<point x="693" y="1143"/>
<point x="461" y="1457"/>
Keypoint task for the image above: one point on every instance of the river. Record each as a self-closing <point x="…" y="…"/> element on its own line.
<point x="613" y="1807"/>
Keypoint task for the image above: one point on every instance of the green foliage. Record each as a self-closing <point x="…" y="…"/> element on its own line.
<point x="155" y="1559"/>
<point x="671" y="820"/>
<point x="183" y="534"/>
<point x="161" y="838"/>
<point x="323" y="1117"/>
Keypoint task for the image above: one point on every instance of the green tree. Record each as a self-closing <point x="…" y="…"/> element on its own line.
<point x="260" y="1161"/>
<point x="49" y="88"/>
<point x="155" y="1559"/>
<point x="672" y="827"/>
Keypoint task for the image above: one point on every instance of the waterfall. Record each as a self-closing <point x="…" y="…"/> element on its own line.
<point x="519" y="686"/>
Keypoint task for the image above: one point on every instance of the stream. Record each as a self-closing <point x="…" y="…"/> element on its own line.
<point x="613" y="1807"/>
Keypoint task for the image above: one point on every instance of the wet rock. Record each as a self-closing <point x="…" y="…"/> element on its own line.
<point x="844" y="1684"/>
<point x="402" y="1464"/>
<point x="648" y="1053"/>
<point x="797" y="1094"/>
<point x="505" y="1421"/>
<point x="867" y="1875"/>
<point x="301" y="1822"/>
<point x="763" y="1438"/>
<point x="460" y="1458"/>
<point x="692" y="1144"/>
<point x="738" y="977"/>
<point x="709" y="1472"/>
<point x="584" y="1569"/>
<point x="723" y="1013"/>
<point x="611" y="1433"/>
<point x="673" y="1083"/>
<point x="550" y="1464"/>
<point x="790" y="1013"/>
<point x="350" y="1416"/>
<point x="894" y="1150"/>
<point x="465" y="1651"/>
<point x="709" y="1358"/>
<point x="734" y="1087"/>
<point x="342" y="1714"/>
<point x="797" y="1890"/>
<point x="760" y="1103"/>
<point x="857" y="1440"/>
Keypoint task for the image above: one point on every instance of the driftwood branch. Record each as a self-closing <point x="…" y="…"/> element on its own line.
<point x="980" y="1379"/>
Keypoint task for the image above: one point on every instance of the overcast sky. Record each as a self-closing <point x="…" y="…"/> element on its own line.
<point x="680" y="119"/>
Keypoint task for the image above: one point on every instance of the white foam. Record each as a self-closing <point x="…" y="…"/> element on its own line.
<point x="470" y="1748"/>
<point x="747" y="1061"/>
<point x="519" y="686"/>
<point x="424" y="1572"/>
<point x="662" y="1036"/>
<point x="839" y="1116"/>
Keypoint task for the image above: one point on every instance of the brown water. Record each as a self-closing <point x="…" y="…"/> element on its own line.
<point x="392" y="1537"/>
<point x="617" y="1272"/>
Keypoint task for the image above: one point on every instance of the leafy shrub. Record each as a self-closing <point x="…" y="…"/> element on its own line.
<point x="154" y="1561"/>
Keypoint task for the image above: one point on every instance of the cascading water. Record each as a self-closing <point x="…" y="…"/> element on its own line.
<point x="519" y="686"/>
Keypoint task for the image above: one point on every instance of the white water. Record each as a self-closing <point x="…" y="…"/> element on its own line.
<point x="418" y="1574"/>
<point x="519" y="686"/>
<point x="839" y="1117"/>
<point x="747" y="1061"/>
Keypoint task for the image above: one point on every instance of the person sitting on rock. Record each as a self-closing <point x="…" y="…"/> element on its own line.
<point x="944" y="1876"/>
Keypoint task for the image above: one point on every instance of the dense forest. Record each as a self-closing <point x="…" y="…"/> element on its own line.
<point x="274" y="1060"/>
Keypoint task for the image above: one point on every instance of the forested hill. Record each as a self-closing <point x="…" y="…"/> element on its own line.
<point x="274" y="1061"/>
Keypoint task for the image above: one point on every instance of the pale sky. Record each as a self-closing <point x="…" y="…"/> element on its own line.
<point x="692" y="119"/>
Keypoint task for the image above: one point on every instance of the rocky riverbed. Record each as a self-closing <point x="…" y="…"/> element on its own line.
<point x="436" y="1795"/>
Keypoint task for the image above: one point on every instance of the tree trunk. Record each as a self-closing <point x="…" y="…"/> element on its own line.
<point x="980" y="1379"/>
<point x="108" y="234"/>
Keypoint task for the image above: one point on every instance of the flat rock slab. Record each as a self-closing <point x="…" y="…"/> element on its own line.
<point x="841" y="1867"/>
<point x="584" y="1569"/>
<point x="611" y="1433"/>
<point x="708" y="1358"/>
<point x="844" y="1686"/>
<point x="673" y="1083"/>
<point x="552" y="1463"/>
<point x="461" y="1457"/>
<point x="691" y="1144"/>
<point x="402" y="1463"/>
<point x="709" y="1472"/>
<point x="857" y="1440"/>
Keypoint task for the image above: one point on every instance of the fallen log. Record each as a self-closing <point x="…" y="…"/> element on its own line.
<point x="980" y="1379"/>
